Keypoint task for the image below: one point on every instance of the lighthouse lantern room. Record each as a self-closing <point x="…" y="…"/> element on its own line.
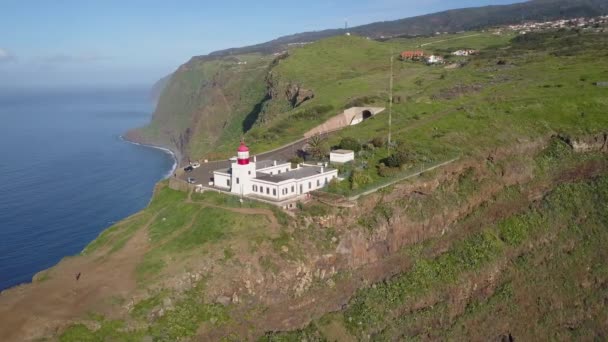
<point x="243" y="154"/>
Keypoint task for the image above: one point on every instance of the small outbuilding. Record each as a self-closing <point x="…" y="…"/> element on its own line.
<point x="341" y="156"/>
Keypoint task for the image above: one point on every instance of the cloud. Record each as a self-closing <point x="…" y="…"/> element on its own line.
<point x="73" y="59"/>
<point x="6" y="56"/>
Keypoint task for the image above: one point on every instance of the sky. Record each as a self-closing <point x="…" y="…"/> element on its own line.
<point x="52" y="43"/>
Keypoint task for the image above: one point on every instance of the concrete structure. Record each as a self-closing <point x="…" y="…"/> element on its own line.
<point x="341" y="156"/>
<point x="271" y="180"/>
<point x="349" y="117"/>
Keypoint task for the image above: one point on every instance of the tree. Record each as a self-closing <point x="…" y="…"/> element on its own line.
<point x="318" y="147"/>
<point x="349" y="143"/>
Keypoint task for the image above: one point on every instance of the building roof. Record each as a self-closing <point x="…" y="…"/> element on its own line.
<point x="303" y="172"/>
<point x="262" y="164"/>
<point x="342" y="151"/>
<point x="224" y="170"/>
<point x="417" y="53"/>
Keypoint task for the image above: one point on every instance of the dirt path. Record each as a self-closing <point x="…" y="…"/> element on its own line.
<point x="34" y="310"/>
<point x="447" y="40"/>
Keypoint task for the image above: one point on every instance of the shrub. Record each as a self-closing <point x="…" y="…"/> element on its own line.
<point x="358" y="178"/>
<point x="349" y="143"/>
<point x="385" y="171"/>
<point x="397" y="159"/>
<point x="313" y="113"/>
<point x="377" y="142"/>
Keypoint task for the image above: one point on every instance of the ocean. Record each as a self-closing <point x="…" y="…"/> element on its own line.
<point x="66" y="174"/>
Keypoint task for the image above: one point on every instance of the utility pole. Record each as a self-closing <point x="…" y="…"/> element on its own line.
<point x="390" y="104"/>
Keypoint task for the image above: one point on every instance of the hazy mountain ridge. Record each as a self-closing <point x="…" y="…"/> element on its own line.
<point x="446" y="21"/>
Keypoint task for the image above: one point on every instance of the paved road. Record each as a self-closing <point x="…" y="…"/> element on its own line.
<point x="204" y="174"/>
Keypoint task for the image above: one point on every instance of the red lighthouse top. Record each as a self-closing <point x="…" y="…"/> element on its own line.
<point x="243" y="147"/>
<point x="242" y="154"/>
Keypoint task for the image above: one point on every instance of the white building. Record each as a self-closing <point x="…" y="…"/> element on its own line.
<point x="434" y="59"/>
<point x="271" y="180"/>
<point x="467" y="52"/>
<point x="341" y="156"/>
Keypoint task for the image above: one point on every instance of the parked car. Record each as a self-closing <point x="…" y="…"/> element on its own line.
<point x="191" y="180"/>
<point x="195" y="165"/>
<point x="188" y="168"/>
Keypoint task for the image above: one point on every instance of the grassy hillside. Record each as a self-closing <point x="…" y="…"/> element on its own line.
<point x="539" y="273"/>
<point x="212" y="100"/>
<point x="228" y="99"/>
<point x="506" y="240"/>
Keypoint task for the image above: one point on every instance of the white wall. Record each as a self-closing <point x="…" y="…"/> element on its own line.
<point x="264" y="189"/>
<point x="220" y="180"/>
<point x="341" y="158"/>
<point x="286" y="167"/>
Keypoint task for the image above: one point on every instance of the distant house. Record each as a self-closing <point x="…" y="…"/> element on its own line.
<point x="467" y="52"/>
<point x="412" y="55"/>
<point x="434" y="59"/>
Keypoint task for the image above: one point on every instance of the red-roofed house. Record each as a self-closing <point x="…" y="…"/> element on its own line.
<point x="412" y="55"/>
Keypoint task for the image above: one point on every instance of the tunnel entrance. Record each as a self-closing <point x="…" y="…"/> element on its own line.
<point x="367" y="114"/>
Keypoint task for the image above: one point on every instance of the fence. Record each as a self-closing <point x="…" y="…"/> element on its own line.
<point x="406" y="175"/>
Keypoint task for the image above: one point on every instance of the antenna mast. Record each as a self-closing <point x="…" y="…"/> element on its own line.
<point x="390" y="103"/>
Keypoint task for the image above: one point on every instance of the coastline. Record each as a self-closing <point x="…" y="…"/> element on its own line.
<point x="173" y="154"/>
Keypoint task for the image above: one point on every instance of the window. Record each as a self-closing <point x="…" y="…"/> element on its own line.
<point x="249" y="172"/>
<point x="237" y="180"/>
<point x="318" y="182"/>
<point x="293" y="188"/>
<point x="267" y="191"/>
<point x="287" y="170"/>
<point x="274" y="192"/>
<point x="254" y="188"/>
<point x="227" y="182"/>
<point x="261" y="189"/>
<point x="279" y="171"/>
<point x="325" y="180"/>
<point x="310" y="185"/>
<point x="271" y="173"/>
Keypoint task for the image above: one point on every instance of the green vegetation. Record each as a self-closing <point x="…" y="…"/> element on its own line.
<point x="115" y="237"/>
<point x="181" y="321"/>
<point x="564" y="234"/>
<point x="184" y="228"/>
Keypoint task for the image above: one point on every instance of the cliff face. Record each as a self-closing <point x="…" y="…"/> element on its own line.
<point x="209" y="103"/>
<point x="203" y="102"/>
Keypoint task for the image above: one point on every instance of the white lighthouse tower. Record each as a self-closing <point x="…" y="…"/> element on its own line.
<point x="242" y="171"/>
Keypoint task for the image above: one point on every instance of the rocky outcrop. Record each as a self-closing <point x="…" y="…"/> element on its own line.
<point x="597" y="142"/>
<point x="296" y="95"/>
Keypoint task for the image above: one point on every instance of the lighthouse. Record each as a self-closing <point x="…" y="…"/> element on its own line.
<point x="243" y="171"/>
